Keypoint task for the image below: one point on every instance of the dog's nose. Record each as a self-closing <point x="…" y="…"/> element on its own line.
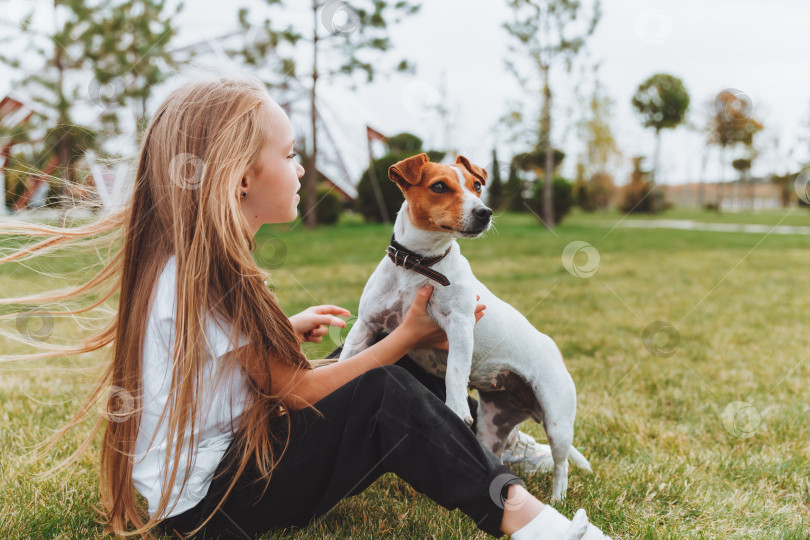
<point x="482" y="212"/>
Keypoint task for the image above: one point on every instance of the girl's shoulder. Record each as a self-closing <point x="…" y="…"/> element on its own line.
<point x="217" y="330"/>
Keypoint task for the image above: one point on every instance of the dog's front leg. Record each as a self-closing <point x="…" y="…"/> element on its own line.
<point x="360" y="337"/>
<point x="459" y="332"/>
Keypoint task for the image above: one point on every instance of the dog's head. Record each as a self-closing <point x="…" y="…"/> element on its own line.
<point x="443" y="198"/>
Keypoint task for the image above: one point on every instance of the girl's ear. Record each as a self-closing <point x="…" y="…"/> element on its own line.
<point x="243" y="185"/>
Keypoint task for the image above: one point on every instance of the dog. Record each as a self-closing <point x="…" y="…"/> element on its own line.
<point x="518" y="371"/>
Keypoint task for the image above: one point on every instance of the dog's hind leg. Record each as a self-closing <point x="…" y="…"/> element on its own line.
<point x="560" y="441"/>
<point x="560" y="433"/>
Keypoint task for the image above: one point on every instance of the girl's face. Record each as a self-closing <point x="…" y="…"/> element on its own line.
<point x="272" y="182"/>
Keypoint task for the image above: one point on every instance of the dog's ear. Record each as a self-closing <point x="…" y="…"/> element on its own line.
<point x="408" y="172"/>
<point x="475" y="170"/>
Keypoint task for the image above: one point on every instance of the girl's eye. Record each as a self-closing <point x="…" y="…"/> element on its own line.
<point x="438" y="187"/>
<point x="292" y="155"/>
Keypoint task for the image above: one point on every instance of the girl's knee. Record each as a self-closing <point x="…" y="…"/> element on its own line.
<point x="388" y="373"/>
<point x="391" y="380"/>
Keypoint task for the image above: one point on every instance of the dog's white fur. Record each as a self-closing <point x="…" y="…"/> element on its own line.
<point x="502" y="341"/>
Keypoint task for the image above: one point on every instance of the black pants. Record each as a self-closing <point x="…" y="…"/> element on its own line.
<point x="389" y="419"/>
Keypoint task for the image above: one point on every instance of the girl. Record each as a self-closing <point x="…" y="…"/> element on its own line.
<point x="215" y="415"/>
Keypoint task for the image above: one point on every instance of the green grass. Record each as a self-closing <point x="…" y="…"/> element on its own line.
<point x="666" y="464"/>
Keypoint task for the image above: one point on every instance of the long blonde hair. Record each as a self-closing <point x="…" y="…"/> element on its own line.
<point x="185" y="201"/>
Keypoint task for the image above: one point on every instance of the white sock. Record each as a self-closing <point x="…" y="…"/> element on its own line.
<point x="581" y="525"/>
<point x="548" y="524"/>
<point x="551" y="525"/>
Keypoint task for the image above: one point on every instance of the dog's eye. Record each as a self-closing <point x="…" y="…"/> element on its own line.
<point x="438" y="187"/>
<point x="477" y="187"/>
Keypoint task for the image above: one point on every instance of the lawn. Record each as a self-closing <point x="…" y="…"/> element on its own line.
<point x="689" y="350"/>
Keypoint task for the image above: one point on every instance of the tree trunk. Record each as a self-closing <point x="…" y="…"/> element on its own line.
<point x="375" y="184"/>
<point x="62" y="149"/>
<point x="5" y="157"/>
<point x="702" y="188"/>
<point x="548" y="193"/>
<point x="657" y="163"/>
<point x="65" y="178"/>
<point x="722" y="178"/>
<point x="310" y="176"/>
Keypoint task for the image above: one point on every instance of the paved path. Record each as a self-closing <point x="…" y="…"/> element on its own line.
<point x="689" y="225"/>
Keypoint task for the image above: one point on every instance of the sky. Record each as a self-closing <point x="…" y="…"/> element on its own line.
<point x="459" y="47"/>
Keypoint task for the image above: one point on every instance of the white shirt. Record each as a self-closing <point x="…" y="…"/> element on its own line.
<point x="219" y="406"/>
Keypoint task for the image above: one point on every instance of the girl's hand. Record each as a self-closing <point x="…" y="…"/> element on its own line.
<point x="308" y="324"/>
<point x="422" y="328"/>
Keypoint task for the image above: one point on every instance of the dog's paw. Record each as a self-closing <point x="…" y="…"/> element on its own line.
<point x="462" y="410"/>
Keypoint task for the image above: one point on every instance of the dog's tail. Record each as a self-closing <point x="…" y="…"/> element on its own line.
<point x="579" y="460"/>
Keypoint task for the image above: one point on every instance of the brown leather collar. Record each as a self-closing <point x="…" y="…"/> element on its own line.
<point x="402" y="256"/>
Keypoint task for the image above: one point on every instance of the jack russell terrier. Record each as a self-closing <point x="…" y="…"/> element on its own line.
<point x="518" y="371"/>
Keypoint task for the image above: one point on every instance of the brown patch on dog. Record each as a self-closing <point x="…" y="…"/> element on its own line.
<point x="408" y="172"/>
<point x="427" y="209"/>
<point x="433" y="211"/>
<point x="479" y="173"/>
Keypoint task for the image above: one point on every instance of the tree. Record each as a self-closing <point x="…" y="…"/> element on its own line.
<point x="11" y="135"/>
<point x="358" y="28"/>
<point x="540" y="26"/>
<point x="602" y="189"/>
<point x="381" y="206"/>
<point x="128" y="50"/>
<point x="580" y="190"/>
<point x="404" y="143"/>
<point x="563" y="199"/>
<point x="122" y="44"/>
<point x="638" y="193"/>
<point x="661" y="101"/>
<point x="594" y="193"/>
<point x="535" y="160"/>
<point x="596" y="132"/>
<point x="495" y="195"/>
<point x="513" y="190"/>
<point x="593" y="186"/>
<point x="731" y="123"/>
<point x="743" y="166"/>
<point x="63" y="54"/>
<point x="786" y="188"/>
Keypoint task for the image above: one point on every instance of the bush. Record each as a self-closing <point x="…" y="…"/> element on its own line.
<point x="637" y="198"/>
<point x="328" y="207"/>
<point x="583" y="195"/>
<point x="392" y="197"/>
<point x="18" y="169"/>
<point x="562" y="191"/>
<point x="601" y="189"/>
<point x="712" y="207"/>
<point x="513" y="191"/>
<point x="404" y="143"/>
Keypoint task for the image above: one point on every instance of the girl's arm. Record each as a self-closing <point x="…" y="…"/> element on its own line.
<point x="301" y="388"/>
<point x="418" y="329"/>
